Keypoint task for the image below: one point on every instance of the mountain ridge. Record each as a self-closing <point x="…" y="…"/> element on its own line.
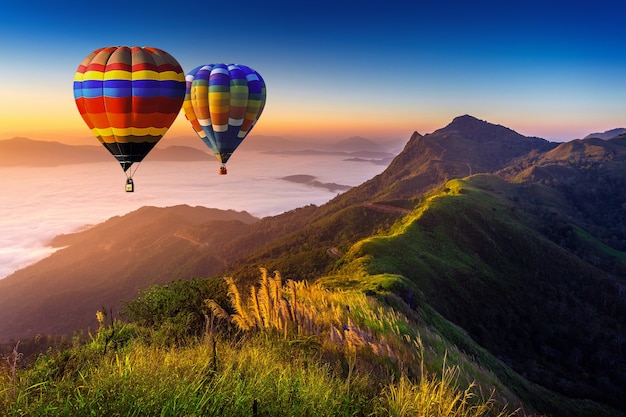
<point x="21" y="151"/>
<point x="608" y="134"/>
<point x="110" y="254"/>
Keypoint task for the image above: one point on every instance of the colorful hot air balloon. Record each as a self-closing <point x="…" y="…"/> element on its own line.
<point x="129" y="97"/>
<point x="223" y="102"/>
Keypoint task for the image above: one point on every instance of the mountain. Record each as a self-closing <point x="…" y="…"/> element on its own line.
<point x="464" y="147"/>
<point x="609" y="134"/>
<point x="112" y="261"/>
<point x="23" y="151"/>
<point x="178" y="153"/>
<point x="252" y="143"/>
<point x="518" y="241"/>
<point x="313" y="182"/>
<point x="357" y="143"/>
<point x="28" y="152"/>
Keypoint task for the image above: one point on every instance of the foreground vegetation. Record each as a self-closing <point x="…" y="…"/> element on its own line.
<point x="275" y="349"/>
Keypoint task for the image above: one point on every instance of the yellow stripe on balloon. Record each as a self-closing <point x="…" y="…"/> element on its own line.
<point x="135" y="75"/>
<point x="117" y="75"/>
<point x="171" y="76"/>
<point x="141" y="131"/>
<point x="104" y="132"/>
<point x="218" y="101"/>
<point x="93" y="75"/>
<point x="130" y="131"/>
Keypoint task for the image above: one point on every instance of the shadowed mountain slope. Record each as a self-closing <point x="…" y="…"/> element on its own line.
<point x="464" y="147"/>
<point x="110" y="262"/>
<point x="424" y="164"/>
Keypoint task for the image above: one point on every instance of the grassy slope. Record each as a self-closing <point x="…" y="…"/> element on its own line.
<point x="374" y="358"/>
<point x="478" y="243"/>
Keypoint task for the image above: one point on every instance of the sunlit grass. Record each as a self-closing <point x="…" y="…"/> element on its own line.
<point x="152" y="380"/>
<point x="300" y="350"/>
<point x="435" y="397"/>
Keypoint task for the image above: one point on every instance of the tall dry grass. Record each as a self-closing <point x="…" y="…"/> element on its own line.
<point x="305" y="350"/>
<point x="365" y="333"/>
<point x="342" y="320"/>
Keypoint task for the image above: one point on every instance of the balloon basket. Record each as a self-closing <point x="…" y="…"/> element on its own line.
<point x="130" y="186"/>
<point x="223" y="170"/>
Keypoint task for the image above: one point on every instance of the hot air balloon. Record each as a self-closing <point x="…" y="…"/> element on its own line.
<point x="129" y="97"/>
<point x="223" y="103"/>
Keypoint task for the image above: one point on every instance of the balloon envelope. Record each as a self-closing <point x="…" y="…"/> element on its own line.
<point x="129" y="97"/>
<point x="223" y="103"/>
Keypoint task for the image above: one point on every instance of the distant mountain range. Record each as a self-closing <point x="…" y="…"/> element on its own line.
<point x="21" y="151"/>
<point x="609" y="134"/>
<point x="28" y="152"/>
<point x="518" y="241"/>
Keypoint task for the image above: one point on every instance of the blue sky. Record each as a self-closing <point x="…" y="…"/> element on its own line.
<point x="336" y="69"/>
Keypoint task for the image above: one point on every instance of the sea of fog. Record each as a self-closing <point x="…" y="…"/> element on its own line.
<point x="40" y="203"/>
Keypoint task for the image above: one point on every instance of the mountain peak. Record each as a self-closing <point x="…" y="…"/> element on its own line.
<point x="356" y="143"/>
<point x="466" y="121"/>
<point x="479" y="130"/>
<point x="466" y="118"/>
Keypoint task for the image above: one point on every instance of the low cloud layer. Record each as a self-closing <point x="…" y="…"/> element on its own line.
<point x="40" y="203"/>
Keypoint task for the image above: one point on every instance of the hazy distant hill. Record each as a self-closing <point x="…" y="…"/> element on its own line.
<point x="609" y="134"/>
<point x="23" y="151"/>
<point x="28" y="152"/>
<point x="355" y="148"/>
<point x="358" y="143"/>
<point x="252" y="143"/>
<point x="519" y="241"/>
<point x="178" y="153"/>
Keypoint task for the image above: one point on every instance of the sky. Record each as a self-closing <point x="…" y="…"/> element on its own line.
<point x="336" y="69"/>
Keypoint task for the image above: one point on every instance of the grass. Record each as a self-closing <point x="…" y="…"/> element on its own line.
<point x="435" y="397"/>
<point x="152" y="380"/>
<point x="342" y="353"/>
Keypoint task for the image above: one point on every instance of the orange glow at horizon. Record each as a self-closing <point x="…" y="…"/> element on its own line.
<point x="62" y="122"/>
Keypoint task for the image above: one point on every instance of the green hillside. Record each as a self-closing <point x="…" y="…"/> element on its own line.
<point x="479" y="257"/>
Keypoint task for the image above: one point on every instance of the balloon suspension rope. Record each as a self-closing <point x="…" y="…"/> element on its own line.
<point x="131" y="170"/>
